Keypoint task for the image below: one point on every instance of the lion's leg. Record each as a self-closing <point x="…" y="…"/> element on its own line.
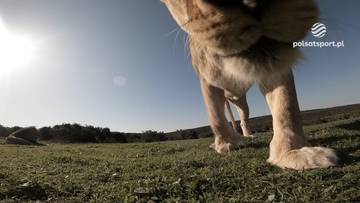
<point x="243" y="110"/>
<point x="226" y="139"/>
<point x="230" y="114"/>
<point x="288" y="146"/>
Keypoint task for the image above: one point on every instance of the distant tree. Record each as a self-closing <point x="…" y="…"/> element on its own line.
<point x="104" y="134"/>
<point x="189" y="134"/>
<point x="87" y="134"/>
<point x="63" y="133"/>
<point x="193" y="134"/>
<point x="153" y="136"/>
<point x="74" y="133"/>
<point x="118" y="137"/>
<point x="206" y="134"/>
<point x="4" y="132"/>
<point x="13" y="129"/>
<point x="46" y="133"/>
<point x="133" y="137"/>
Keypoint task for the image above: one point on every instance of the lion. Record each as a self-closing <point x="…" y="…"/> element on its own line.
<point x="243" y="115"/>
<point x="237" y="43"/>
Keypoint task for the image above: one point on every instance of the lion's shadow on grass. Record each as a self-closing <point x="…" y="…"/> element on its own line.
<point x="350" y="126"/>
<point x="347" y="159"/>
<point x="330" y="140"/>
<point x="256" y="145"/>
<point x="344" y="153"/>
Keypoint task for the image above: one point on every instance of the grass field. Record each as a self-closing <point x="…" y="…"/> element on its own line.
<point x="179" y="171"/>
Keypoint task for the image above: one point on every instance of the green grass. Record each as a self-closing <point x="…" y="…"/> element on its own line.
<point x="183" y="171"/>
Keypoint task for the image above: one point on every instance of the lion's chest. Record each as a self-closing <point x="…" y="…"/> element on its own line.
<point x="233" y="75"/>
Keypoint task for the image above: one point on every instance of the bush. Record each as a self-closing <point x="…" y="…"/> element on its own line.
<point x="76" y="133"/>
<point x="103" y="135"/>
<point x="153" y="136"/>
<point x="45" y="133"/>
<point x="117" y="137"/>
<point x="188" y="134"/>
<point x="4" y="131"/>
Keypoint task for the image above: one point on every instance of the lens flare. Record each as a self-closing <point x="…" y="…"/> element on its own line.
<point x="16" y="51"/>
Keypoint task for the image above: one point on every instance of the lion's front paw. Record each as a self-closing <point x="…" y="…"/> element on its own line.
<point x="306" y="158"/>
<point x="222" y="146"/>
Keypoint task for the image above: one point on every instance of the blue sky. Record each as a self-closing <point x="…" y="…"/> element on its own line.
<point x="117" y="64"/>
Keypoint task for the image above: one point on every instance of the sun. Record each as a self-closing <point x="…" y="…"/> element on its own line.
<point x="16" y="51"/>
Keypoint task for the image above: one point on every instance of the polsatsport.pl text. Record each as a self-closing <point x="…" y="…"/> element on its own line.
<point x="335" y="44"/>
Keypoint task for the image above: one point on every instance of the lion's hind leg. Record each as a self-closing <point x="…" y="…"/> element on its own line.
<point x="243" y="111"/>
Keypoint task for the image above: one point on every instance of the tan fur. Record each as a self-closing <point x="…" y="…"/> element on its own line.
<point x="243" y="111"/>
<point x="235" y="44"/>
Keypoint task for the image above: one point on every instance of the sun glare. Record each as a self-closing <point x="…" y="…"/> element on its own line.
<point x="16" y="51"/>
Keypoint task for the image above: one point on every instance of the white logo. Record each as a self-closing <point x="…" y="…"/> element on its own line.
<point x="318" y="30"/>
